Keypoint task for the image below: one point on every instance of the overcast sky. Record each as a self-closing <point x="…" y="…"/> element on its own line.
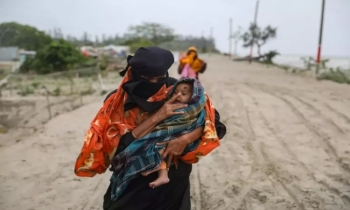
<point x="297" y="20"/>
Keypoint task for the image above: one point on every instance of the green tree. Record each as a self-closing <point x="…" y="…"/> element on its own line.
<point x="136" y="43"/>
<point x="23" y="36"/>
<point x="257" y="36"/>
<point x="183" y="43"/>
<point x="59" y="55"/>
<point x="28" y="65"/>
<point x="154" y="32"/>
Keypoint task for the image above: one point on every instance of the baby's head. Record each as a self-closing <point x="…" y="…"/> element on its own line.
<point x="186" y="90"/>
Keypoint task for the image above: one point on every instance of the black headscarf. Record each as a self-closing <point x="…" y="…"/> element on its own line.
<point x="148" y="62"/>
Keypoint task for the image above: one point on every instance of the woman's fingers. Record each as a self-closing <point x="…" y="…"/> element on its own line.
<point x="178" y="106"/>
<point x="170" y="158"/>
<point x="178" y="113"/>
<point x="165" y="153"/>
<point x="161" y="143"/>
<point x="173" y="98"/>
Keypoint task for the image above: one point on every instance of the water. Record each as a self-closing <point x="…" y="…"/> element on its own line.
<point x="295" y="61"/>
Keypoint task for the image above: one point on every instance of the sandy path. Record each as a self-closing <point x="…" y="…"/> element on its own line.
<point x="288" y="142"/>
<point x="287" y="147"/>
<point x="38" y="173"/>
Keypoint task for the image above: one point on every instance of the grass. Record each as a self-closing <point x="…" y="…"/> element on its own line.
<point x="56" y="91"/>
<point x="27" y="90"/>
<point x="103" y="92"/>
<point x="89" y="91"/>
<point x="338" y="75"/>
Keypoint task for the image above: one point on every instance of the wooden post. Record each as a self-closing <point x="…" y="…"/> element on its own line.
<point x="0" y="98"/>
<point x="10" y="86"/>
<point x="230" y="39"/>
<point x="71" y="82"/>
<point x="99" y="76"/>
<point x="255" y="23"/>
<point x="318" y="58"/>
<point x="24" y="83"/>
<point x="48" y="102"/>
<point x="78" y="89"/>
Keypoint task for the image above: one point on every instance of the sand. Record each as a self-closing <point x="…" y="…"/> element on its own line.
<point x="287" y="147"/>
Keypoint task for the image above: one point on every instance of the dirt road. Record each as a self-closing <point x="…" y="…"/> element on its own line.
<point x="287" y="147"/>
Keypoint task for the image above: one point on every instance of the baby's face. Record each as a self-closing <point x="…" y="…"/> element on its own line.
<point x="186" y="93"/>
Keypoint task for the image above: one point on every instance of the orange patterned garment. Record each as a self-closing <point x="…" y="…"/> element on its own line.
<point x="111" y="122"/>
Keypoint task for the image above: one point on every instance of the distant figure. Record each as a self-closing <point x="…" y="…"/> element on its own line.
<point x="191" y="65"/>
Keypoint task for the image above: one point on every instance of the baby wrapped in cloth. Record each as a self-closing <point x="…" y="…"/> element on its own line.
<point x="142" y="155"/>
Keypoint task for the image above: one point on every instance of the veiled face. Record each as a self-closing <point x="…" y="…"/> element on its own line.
<point x="154" y="79"/>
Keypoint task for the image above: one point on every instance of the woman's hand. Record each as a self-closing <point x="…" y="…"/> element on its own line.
<point x="178" y="145"/>
<point x="174" y="147"/>
<point x="168" y="109"/>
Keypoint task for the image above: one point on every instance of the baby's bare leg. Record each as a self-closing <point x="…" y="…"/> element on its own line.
<point x="162" y="166"/>
<point x="162" y="178"/>
<point x="151" y="171"/>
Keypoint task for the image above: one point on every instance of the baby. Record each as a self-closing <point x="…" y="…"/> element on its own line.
<point x="143" y="154"/>
<point x="186" y="90"/>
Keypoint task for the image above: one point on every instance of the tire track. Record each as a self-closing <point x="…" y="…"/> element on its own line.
<point x="263" y="164"/>
<point x="228" y="156"/>
<point x="344" y="198"/>
<point x="281" y="140"/>
<point x="330" y="108"/>
<point x="343" y="165"/>
<point x="197" y="187"/>
<point x="341" y="115"/>
<point x="305" y="163"/>
<point x="226" y="150"/>
<point x="251" y="150"/>
<point x="301" y="164"/>
<point x="271" y="164"/>
<point x="326" y="145"/>
<point x="246" y="184"/>
<point x="279" y="178"/>
<point x="95" y="196"/>
<point x="329" y="121"/>
<point x="318" y="112"/>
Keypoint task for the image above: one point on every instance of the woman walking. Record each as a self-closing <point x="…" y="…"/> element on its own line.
<point x="132" y="111"/>
<point x="191" y="65"/>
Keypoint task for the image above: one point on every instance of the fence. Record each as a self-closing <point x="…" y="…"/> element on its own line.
<point x="28" y="100"/>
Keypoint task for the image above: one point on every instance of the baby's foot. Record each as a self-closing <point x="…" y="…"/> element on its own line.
<point x="160" y="181"/>
<point x="149" y="172"/>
